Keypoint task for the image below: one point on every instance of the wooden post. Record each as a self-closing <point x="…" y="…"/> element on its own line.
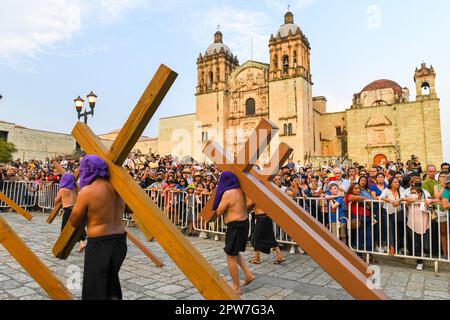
<point x="330" y="253"/>
<point x="143" y="248"/>
<point x="203" y="276"/>
<point x="31" y="263"/>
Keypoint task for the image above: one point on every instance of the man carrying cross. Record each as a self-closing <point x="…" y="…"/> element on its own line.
<point x="230" y="202"/>
<point x="101" y="208"/>
<point x="68" y="196"/>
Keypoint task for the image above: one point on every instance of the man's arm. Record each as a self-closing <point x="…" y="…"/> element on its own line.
<point x="59" y="196"/>
<point x="224" y="204"/>
<point x="79" y="212"/>
<point x="354" y="198"/>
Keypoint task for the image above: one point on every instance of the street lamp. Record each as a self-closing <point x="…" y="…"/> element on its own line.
<point x="79" y="104"/>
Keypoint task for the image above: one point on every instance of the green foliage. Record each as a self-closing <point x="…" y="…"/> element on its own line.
<point x="6" y="151"/>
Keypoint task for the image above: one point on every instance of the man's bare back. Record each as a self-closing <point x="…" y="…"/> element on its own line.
<point x="67" y="197"/>
<point x="102" y="208"/>
<point x="233" y="206"/>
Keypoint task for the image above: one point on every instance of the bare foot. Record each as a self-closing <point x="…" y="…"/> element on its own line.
<point x="255" y="261"/>
<point x="248" y="280"/>
<point x="237" y="291"/>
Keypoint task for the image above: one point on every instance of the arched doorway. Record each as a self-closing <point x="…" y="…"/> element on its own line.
<point x="379" y="159"/>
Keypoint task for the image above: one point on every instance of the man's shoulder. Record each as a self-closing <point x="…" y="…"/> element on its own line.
<point x="233" y="192"/>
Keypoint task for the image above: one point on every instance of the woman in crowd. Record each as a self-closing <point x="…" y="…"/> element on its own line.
<point x="393" y="196"/>
<point x="439" y="189"/>
<point x="361" y="222"/>
<point x="379" y="213"/>
<point x="419" y="219"/>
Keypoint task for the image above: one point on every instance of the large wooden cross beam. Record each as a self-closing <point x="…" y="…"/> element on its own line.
<point x="151" y="219"/>
<point x="12" y="242"/>
<point x="330" y="253"/>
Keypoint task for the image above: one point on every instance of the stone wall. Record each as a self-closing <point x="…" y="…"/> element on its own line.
<point x="38" y="144"/>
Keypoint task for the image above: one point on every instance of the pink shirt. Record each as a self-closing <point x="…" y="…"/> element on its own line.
<point x="418" y="220"/>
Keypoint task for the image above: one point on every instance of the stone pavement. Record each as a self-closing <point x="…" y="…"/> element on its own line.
<point x="299" y="278"/>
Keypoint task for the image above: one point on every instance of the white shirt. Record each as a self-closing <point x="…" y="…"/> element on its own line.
<point x="387" y="193"/>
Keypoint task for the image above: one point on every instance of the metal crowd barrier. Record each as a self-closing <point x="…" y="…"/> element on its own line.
<point x="410" y="231"/>
<point x="46" y="195"/>
<point x="172" y="203"/>
<point x="21" y="192"/>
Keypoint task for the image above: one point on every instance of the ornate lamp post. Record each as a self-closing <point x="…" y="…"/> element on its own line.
<point x="79" y="104"/>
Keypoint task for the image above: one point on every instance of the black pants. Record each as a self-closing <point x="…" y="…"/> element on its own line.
<point x="416" y="250"/>
<point x="102" y="262"/>
<point x="263" y="238"/>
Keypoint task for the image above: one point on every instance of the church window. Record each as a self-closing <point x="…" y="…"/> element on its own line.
<point x="380" y="103"/>
<point x="295" y="59"/>
<point x="218" y="74"/>
<point x="287" y="129"/>
<point x="275" y="61"/>
<point x="338" y="131"/>
<point x="425" y="89"/>
<point x="205" y="136"/>
<point x="250" y="107"/>
<point x="285" y="64"/>
<point x="210" y="79"/>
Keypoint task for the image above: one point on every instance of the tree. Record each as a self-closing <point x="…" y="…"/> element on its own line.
<point x="6" y="151"/>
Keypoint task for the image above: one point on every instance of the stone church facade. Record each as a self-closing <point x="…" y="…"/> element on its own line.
<point x="382" y="122"/>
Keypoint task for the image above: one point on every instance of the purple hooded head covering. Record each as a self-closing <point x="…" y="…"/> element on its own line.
<point x="227" y="181"/>
<point x="92" y="167"/>
<point x="67" y="181"/>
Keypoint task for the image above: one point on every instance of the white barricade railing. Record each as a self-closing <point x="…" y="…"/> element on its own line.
<point x="21" y="192"/>
<point x="171" y="202"/>
<point x="217" y="227"/>
<point x="411" y="231"/>
<point x="47" y="195"/>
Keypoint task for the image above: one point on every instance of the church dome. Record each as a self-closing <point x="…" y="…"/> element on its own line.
<point x="217" y="46"/>
<point x="384" y="84"/>
<point x="288" y="26"/>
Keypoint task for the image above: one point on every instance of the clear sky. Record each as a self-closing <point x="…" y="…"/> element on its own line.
<point x="54" y="50"/>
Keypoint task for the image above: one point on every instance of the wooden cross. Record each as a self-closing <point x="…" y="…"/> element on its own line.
<point x="130" y="236"/>
<point x="328" y="251"/>
<point x="197" y="269"/>
<point x="27" y="259"/>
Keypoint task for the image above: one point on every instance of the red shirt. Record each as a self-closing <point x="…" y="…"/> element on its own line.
<point x="357" y="208"/>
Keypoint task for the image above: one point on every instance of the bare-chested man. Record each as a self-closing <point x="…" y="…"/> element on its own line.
<point x="230" y="202"/>
<point x="263" y="239"/>
<point x="101" y="208"/>
<point x="67" y="195"/>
